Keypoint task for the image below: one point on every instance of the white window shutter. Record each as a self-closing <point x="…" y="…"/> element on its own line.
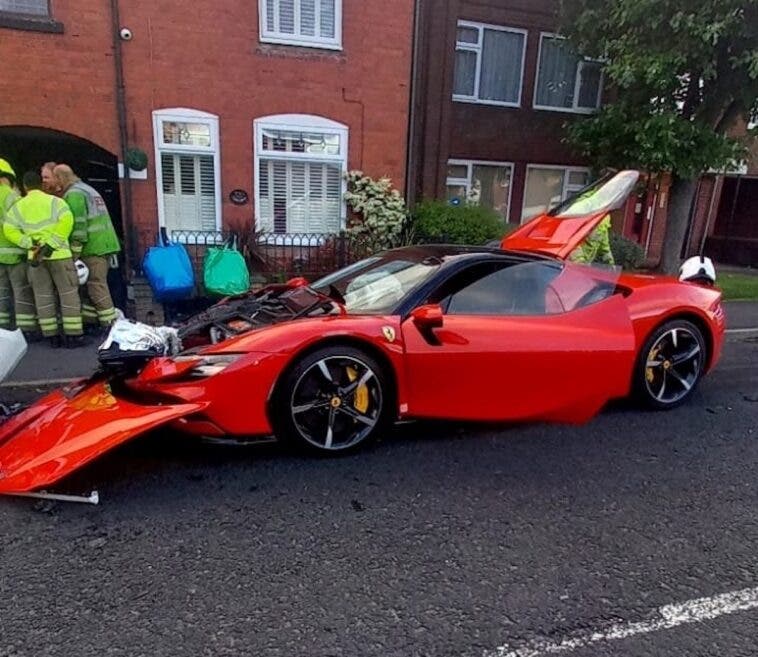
<point x="287" y="16"/>
<point x="328" y="19"/>
<point x="207" y="187"/>
<point x="332" y="198"/>
<point x="308" y="17"/>
<point x="265" y="196"/>
<point x="297" y="201"/>
<point x="168" y="177"/>
<point x="270" y="13"/>
<point x="299" y="197"/>
<point x="187" y="180"/>
<point x="189" y="192"/>
<point x="170" y="192"/>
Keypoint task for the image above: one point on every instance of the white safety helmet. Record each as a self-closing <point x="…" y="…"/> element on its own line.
<point x="82" y="272"/>
<point x="698" y="269"/>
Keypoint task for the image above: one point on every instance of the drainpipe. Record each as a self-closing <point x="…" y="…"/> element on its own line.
<point x="127" y="223"/>
<point x="410" y="163"/>
<point x="361" y="104"/>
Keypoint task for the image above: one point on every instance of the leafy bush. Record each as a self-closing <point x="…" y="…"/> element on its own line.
<point x="438" y="221"/>
<point x="381" y="209"/>
<point x="626" y="252"/>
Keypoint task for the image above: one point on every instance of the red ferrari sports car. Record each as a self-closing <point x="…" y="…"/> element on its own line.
<point x="468" y="333"/>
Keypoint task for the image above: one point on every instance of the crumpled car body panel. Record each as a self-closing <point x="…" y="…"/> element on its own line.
<point x="60" y="434"/>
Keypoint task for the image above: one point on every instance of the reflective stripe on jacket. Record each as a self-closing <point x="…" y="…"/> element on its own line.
<point x="10" y="254"/>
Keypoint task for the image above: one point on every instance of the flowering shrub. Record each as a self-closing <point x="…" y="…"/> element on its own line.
<point x="381" y="208"/>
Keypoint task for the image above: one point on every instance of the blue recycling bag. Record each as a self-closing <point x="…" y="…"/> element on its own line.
<point x="169" y="271"/>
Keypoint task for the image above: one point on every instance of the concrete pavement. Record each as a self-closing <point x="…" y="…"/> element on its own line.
<point x="44" y="364"/>
<point x="741" y="314"/>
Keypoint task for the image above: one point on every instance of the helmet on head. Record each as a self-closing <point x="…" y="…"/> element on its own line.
<point x="6" y="168"/>
<point x="82" y="272"/>
<point x="698" y="269"/>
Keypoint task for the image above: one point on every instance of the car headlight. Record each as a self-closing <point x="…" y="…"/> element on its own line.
<point x="205" y="366"/>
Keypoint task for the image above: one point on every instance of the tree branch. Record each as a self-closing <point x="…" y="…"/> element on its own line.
<point x="692" y="99"/>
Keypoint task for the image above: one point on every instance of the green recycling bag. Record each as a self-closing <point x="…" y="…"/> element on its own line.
<point x="225" y="271"/>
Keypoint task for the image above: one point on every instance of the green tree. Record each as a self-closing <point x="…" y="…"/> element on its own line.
<point x="684" y="72"/>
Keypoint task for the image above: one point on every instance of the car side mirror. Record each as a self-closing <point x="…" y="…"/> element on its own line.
<point x="427" y="317"/>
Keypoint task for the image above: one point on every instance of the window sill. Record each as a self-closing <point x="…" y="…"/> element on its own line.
<point x="30" y="23"/>
<point x="492" y="103"/>
<point x="566" y="110"/>
<point x="299" y="51"/>
<point x="314" y="44"/>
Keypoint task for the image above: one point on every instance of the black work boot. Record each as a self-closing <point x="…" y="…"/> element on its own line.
<point x="32" y="336"/>
<point x="74" y="341"/>
<point x="55" y="341"/>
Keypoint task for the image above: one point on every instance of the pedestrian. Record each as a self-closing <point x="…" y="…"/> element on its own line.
<point x="49" y="183"/>
<point x="94" y="240"/>
<point x="16" y="297"/>
<point x="41" y="223"/>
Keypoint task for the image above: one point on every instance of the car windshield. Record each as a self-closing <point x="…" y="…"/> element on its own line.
<point x="376" y="285"/>
<point x="606" y="194"/>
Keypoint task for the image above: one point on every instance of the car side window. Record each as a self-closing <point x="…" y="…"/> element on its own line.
<point x="502" y="289"/>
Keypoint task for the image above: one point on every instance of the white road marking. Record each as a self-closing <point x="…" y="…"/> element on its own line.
<point x="669" y="617"/>
<point x="742" y="330"/>
<point x="36" y="383"/>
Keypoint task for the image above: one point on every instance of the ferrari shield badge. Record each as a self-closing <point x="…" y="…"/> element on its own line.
<point x="389" y="333"/>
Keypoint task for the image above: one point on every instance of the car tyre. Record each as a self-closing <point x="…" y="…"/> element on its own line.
<point x="670" y="365"/>
<point x="332" y="401"/>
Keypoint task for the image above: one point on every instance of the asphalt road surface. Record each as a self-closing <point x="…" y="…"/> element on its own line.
<point x="441" y="540"/>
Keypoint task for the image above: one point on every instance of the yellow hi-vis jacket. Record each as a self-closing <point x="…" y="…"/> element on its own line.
<point x="10" y="254"/>
<point x="39" y="218"/>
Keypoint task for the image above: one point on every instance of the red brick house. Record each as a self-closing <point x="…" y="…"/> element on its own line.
<point x="248" y="119"/>
<point x="493" y="87"/>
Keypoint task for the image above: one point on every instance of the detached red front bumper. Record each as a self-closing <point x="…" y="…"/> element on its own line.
<point x="58" y="435"/>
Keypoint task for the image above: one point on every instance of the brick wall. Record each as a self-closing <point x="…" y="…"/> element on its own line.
<point x="211" y="60"/>
<point x="445" y="129"/>
<point x="62" y="81"/>
<point x="225" y="71"/>
<point x="141" y="305"/>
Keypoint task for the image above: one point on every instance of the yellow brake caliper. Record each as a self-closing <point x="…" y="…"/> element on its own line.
<point x="360" y="400"/>
<point x="650" y="372"/>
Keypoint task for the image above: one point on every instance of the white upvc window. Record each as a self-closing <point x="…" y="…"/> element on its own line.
<point x="26" y="7"/>
<point x="187" y="169"/>
<point x="300" y="162"/>
<point x="489" y="64"/>
<point x="566" y="82"/>
<point x="312" y="23"/>
<point x="547" y="186"/>
<point x="481" y="182"/>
